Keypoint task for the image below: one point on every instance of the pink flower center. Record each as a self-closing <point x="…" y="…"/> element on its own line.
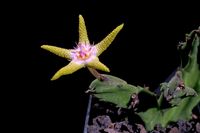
<point x="83" y="52"/>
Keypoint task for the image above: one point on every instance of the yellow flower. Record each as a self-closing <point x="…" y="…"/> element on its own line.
<point x="85" y="54"/>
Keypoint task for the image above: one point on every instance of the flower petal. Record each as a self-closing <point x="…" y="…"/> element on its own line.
<point x="103" y="45"/>
<point x="96" y="64"/>
<point x="65" y="53"/>
<point x="83" y="37"/>
<point x="69" y="69"/>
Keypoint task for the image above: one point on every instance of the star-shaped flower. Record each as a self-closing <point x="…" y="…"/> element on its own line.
<point x="85" y="54"/>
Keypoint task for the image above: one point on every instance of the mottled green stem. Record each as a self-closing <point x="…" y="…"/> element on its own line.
<point x="160" y="100"/>
<point x="149" y="92"/>
<point x="182" y="45"/>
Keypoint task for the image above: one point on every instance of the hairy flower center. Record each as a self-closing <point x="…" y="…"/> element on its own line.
<point x="83" y="52"/>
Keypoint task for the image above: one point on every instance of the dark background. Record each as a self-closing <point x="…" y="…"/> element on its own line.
<point x="143" y="53"/>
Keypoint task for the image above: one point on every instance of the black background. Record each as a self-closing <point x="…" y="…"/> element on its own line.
<point x="143" y="53"/>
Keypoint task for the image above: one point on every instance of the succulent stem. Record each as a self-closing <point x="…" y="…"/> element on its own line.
<point x="96" y="74"/>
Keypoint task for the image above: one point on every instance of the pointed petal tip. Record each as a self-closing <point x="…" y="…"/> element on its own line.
<point x="121" y="26"/>
<point x="54" y="77"/>
<point x="107" y="70"/>
<point x="80" y="16"/>
<point x="44" y="46"/>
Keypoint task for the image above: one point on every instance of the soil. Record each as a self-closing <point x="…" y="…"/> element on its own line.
<point x="106" y="118"/>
